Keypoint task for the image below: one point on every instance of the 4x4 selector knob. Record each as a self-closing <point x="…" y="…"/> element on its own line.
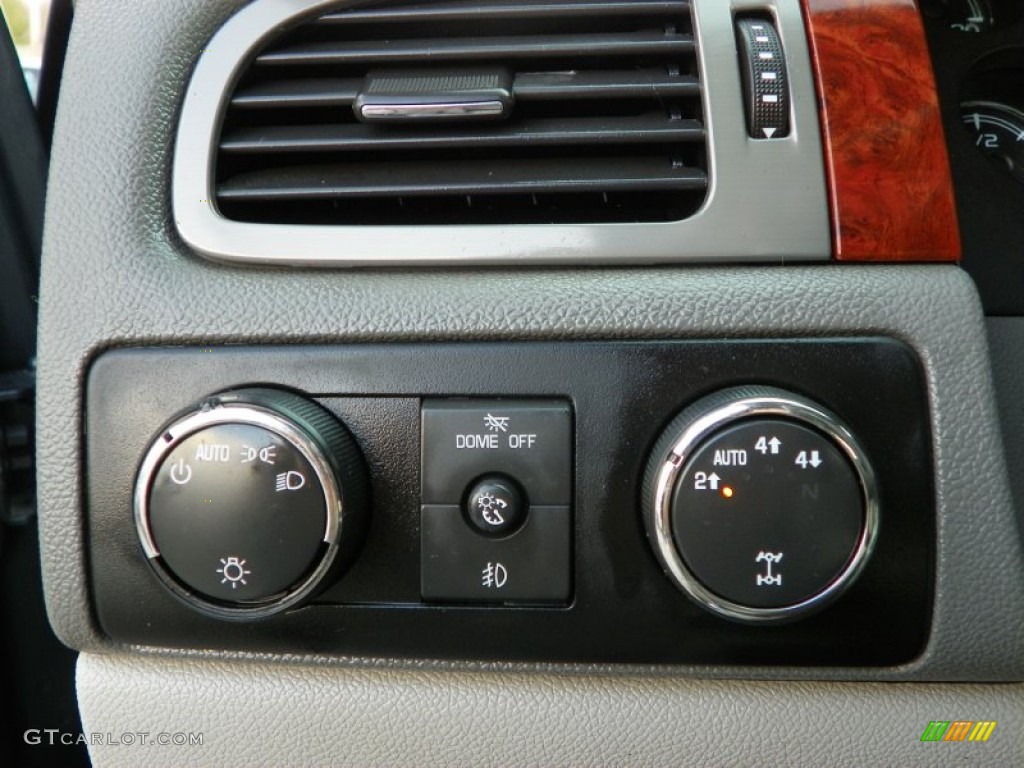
<point x="245" y="503"/>
<point x="760" y="504"/>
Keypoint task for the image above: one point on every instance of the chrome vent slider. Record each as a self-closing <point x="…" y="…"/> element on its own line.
<point x="396" y="96"/>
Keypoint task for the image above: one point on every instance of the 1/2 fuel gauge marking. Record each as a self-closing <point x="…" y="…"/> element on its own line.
<point x="960" y="15"/>
<point x="999" y="133"/>
<point x="975" y="16"/>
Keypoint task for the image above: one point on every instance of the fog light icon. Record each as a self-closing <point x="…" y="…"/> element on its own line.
<point x="494" y="576"/>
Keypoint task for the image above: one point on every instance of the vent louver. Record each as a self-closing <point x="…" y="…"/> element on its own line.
<point x="602" y="122"/>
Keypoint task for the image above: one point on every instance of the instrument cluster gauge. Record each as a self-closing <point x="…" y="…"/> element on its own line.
<point x="999" y="133"/>
<point x="969" y="16"/>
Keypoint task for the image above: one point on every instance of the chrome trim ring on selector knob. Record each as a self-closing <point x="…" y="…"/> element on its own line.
<point x="246" y="503"/>
<point x="760" y="504"/>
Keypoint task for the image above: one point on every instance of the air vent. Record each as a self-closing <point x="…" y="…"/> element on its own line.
<point x="493" y="112"/>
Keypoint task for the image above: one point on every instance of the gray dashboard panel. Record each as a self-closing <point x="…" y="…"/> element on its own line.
<point x="116" y="274"/>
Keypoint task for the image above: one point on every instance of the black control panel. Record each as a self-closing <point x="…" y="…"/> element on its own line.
<point x="496" y="520"/>
<point x="725" y="502"/>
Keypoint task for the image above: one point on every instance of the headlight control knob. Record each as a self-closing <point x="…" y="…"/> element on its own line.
<point x="247" y="502"/>
<point x="760" y="504"/>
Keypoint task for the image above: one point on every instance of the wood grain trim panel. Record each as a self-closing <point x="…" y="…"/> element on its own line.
<point x="891" y="195"/>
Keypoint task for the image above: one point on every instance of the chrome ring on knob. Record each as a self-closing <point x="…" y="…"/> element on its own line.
<point x="253" y="415"/>
<point x="673" y="461"/>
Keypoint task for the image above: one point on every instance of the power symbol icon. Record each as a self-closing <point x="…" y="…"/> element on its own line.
<point x="181" y="472"/>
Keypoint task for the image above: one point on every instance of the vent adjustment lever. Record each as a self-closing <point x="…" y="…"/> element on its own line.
<point x="431" y="95"/>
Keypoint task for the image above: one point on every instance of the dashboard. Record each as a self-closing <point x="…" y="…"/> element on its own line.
<point x="517" y="383"/>
<point x="979" y="71"/>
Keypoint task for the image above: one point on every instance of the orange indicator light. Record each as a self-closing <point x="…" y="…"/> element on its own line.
<point x="727" y="491"/>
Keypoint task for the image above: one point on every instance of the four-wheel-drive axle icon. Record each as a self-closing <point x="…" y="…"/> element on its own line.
<point x="770" y="559"/>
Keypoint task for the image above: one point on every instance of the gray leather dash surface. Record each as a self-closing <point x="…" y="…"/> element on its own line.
<point x="251" y="714"/>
